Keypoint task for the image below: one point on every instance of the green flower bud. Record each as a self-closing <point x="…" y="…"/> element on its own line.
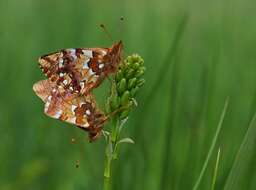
<point x="119" y="75"/>
<point x="136" y="65"/>
<point x="132" y="83"/>
<point x="134" y="91"/>
<point x="121" y="86"/>
<point x="140" y="82"/>
<point x="129" y="59"/>
<point x="130" y="73"/>
<point x="127" y="81"/>
<point x="140" y="72"/>
<point x="114" y="102"/>
<point x="128" y="64"/>
<point x="125" y="97"/>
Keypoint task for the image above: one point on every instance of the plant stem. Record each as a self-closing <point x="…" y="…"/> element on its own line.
<point x="111" y="153"/>
<point x="107" y="172"/>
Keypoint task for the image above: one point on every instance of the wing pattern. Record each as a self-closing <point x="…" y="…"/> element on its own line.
<point x="72" y="75"/>
<point x="81" y="111"/>
<point x="81" y="69"/>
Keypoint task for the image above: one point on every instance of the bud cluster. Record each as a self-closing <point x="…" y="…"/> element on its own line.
<point x="125" y="86"/>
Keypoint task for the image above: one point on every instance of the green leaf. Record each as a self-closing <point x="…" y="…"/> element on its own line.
<point x="212" y="146"/>
<point x="215" y="170"/>
<point x="109" y="148"/>
<point x="106" y="134"/>
<point x="244" y="156"/>
<point x="126" y="140"/>
<point x="122" y="122"/>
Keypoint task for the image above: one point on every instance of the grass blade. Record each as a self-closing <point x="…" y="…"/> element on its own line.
<point x="215" y="170"/>
<point x="243" y="157"/>
<point x="212" y="146"/>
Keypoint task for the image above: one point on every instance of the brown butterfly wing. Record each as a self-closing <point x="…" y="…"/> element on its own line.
<point x="78" y="70"/>
<point x="43" y="89"/>
<point x="65" y="106"/>
<point x="81" y="69"/>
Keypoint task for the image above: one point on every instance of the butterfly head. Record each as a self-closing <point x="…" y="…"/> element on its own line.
<point x="115" y="54"/>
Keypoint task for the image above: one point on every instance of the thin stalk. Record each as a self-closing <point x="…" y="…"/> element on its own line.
<point x="111" y="153"/>
<point x="196" y="186"/>
<point x="215" y="171"/>
<point x="107" y="172"/>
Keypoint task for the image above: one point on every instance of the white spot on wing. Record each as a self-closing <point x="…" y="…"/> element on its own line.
<point x="73" y="107"/>
<point x="86" y="125"/>
<point x="46" y="106"/>
<point x="50" y="97"/>
<point x="73" y="53"/>
<point x="85" y="64"/>
<point x="101" y="65"/>
<point x="88" y="112"/>
<point x="58" y="114"/>
<point x="91" y="72"/>
<point x="72" y="120"/>
<point x="61" y="74"/>
<point x="103" y="52"/>
<point x="87" y="53"/>
<point x="65" y="82"/>
<point x="82" y="85"/>
<point x="60" y="63"/>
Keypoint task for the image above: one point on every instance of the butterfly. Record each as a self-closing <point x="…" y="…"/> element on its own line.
<point x="72" y="75"/>
<point x="81" y="69"/>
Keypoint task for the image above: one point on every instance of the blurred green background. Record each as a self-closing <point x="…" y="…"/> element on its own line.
<point x="197" y="54"/>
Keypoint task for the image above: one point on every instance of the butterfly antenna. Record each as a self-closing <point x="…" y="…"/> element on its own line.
<point x="121" y="32"/>
<point x="106" y="32"/>
<point x="121" y="26"/>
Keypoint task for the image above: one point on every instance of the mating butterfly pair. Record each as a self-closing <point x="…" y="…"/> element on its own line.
<point x="72" y="75"/>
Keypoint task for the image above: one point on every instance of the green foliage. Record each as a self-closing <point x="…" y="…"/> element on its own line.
<point x="242" y="163"/>
<point x="196" y="186"/>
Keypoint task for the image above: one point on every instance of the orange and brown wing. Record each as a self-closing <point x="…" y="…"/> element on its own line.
<point x="65" y="106"/>
<point x="78" y="70"/>
<point x="81" y="69"/>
